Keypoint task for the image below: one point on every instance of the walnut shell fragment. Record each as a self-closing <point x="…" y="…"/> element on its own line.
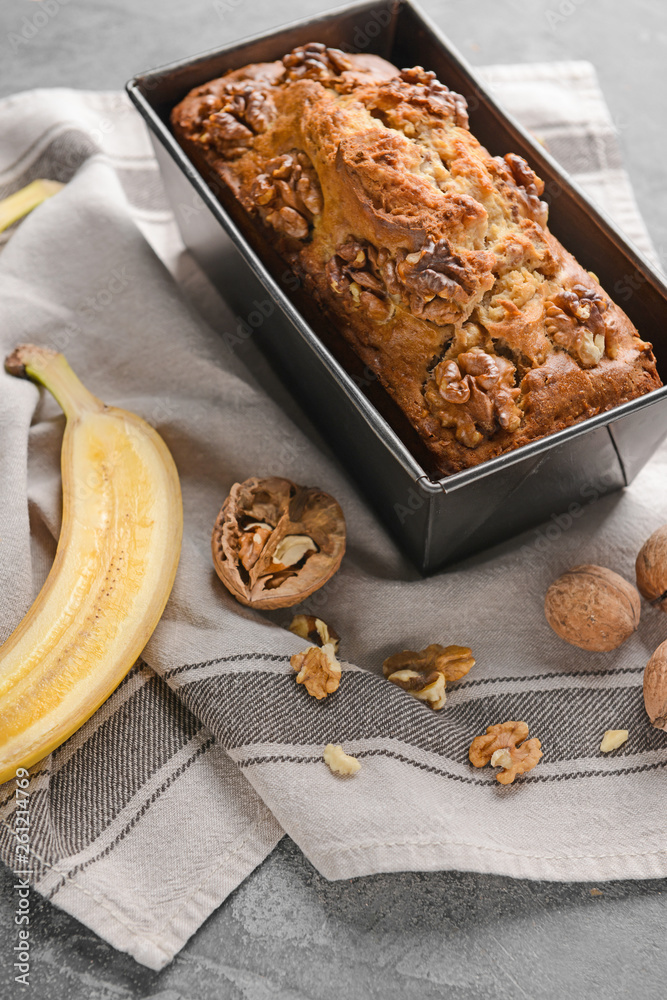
<point x="505" y="745"/>
<point x="655" y="688"/>
<point x="593" y="608"/>
<point x="274" y="543"/>
<point x="651" y="569"/>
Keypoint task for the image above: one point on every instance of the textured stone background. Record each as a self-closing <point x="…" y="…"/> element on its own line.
<point x="286" y="934"/>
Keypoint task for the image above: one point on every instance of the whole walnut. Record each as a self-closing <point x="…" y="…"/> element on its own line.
<point x="655" y="688"/>
<point x="651" y="569"/>
<point x="592" y="607"/>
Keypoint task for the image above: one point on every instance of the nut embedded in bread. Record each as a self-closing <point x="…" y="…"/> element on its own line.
<point x="431" y="256"/>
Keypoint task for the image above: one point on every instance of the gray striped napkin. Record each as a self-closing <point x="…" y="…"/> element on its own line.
<point x="146" y="819"/>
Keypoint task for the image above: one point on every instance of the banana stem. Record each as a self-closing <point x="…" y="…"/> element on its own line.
<point x="51" y="370"/>
<point x="21" y="202"/>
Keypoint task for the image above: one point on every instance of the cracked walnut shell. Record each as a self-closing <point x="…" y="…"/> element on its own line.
<point x="318" y="670"/>
<point x="593" y="608"/>
<point x="274" y="543"/>
<point x="505" y="745"/>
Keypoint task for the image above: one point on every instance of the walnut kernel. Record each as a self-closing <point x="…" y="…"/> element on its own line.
<point x="425" y="687"/>
<point x="507" y="740"/>
<point x="318" y="670"/>
<point x="593" y="608"/>
<point x="315" y="631"/>
<point x="291" y="550"/>
<point x="338" y="761"/>
<point x="613" y="739"/>
<point x="424" y="674"/>
<point x="475" y="394"/>
<point x="501" y="758"/>
<point x="453" y="662"/>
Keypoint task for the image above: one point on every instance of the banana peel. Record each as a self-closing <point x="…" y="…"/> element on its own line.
<point x="114" y="568"/>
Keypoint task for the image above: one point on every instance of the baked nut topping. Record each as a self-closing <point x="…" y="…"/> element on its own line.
<point x="526" y="178"/>
<point x="234" y="119"/>
<point x="479" y="395"/>
<point x="433" y="271"/>
<point x="424" y="674"/>
<point x="415" y="88"/>
<point x="354" y="270"/>
<point x="575" y="321"/>
<point x="274" y="543"/>
<point x="338" y="761"/>
<point x="318" y="670"/>
<point x="315" y="631"/>
<point x="423" y="235"/>
<point x="288" y="194"/>
<point x="613" y="739"/>
<point x="315" y="61"/>
<point x="505" y="745"/>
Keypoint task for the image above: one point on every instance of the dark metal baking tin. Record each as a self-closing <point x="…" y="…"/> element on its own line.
<point x="436" y="520"/>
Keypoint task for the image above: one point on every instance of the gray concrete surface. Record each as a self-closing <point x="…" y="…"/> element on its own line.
<point x="286" y="933"/>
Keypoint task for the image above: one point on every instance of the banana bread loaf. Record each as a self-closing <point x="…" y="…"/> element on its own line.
<point x="432" y="257"/>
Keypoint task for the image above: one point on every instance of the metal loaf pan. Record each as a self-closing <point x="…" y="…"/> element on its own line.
<point x="436" y="520"/>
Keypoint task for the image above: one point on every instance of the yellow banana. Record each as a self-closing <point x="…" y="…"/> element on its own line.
<point x="115" y="564"/>
<point x="15" y="206"/>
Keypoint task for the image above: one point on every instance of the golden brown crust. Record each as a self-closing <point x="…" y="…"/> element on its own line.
<point x="431" y="256"/>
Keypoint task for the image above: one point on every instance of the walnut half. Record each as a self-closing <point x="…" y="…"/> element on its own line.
<point x="424" y="674"/>
<point x="506" y="746"/>
<point x="318" y="670"/>
<point x="476" y="395"/>
<point x="274" y="543"/>
<point x="315" y="630"/>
